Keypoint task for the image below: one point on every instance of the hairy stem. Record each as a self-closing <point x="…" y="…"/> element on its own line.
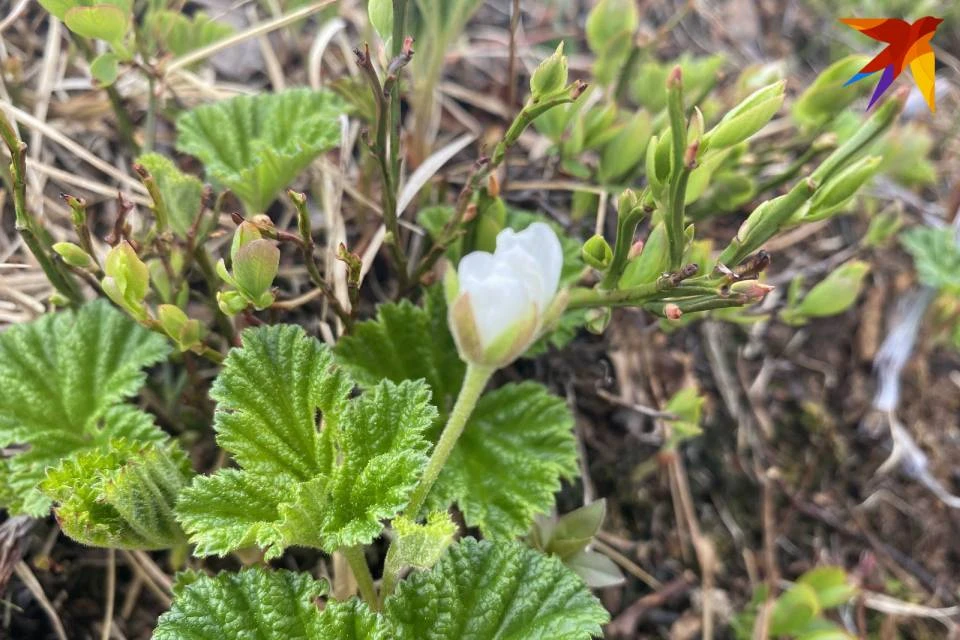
<point x="361" y="571"/>
<point x="473" y="384"/>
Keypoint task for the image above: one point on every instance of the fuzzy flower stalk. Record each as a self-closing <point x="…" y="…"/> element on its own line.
<point x="499" y="304"/>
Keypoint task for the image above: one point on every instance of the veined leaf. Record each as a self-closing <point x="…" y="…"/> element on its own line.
<point x="518" y="427"/>
<point x="406" y="342"/>
<point x="101" y="21"/>
<point x="64" y="379"/>
<point x="257" y="145"/>
<point x="478" y="591"/>
<point x="936" y="256"/>
<point x="181" y="193"/>
<point x="484" y="590"/>
<point x="252" y="603"/>
<point x="121" y="495"/>
<point x="521" y="428"/>
<point x="179" y="34"/>
<point x="301" y="483"/>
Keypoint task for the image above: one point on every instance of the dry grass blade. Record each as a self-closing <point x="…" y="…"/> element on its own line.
<point x="74" y="148"/>
<point x="33" y="586"/>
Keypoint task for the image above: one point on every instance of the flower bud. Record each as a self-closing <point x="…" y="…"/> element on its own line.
<point x="499" y="302"/>
<point x="73" y="255"/>
<point x="597" y="320"/>
<point x="247" y="232"/>
<point x="753" y="290"/>
<point x="671" y="311"/>
<point x="597" y="253"/>
<point x="550" y="76"/>
<point x="254" y="268"/>
<point x="840" y="190"/>
<point x="635" y="249"/>
<point x="746" y="118"/>
<point x="231" y="302"/>
<point x="628" y="201"/>
<point x="126" y="279"/>
<point x="828" y="95"/>
<point x="181" y="329"/>
<point x="652" y="261"/>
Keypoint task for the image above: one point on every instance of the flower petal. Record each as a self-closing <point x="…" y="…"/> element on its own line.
<point x="542" y="244"/>
<point x="498" y="303"/>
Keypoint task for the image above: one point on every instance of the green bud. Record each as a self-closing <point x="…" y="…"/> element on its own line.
<point x="572" y="532"/>
<point x="550" y="76"/>
<point x="247" y="232"/>
<point x="624" y="152"/>
<point x="597" y="320"/>
<point x="833" y="295"/>
<point x="73" y="255"/>
<point x="652" y="261"/>
<point x="608" y="22"/>
<point x="627" y="202"/>
<point x="696" y="126"/>
<point x="58" y="300"/>
<point x="126" y="279"/>
<point x="883" y="227"/>
<point x="181" y="329"/>
<point x="231" y="302"/>
<point x="833" y="196"/>
<point x="254" y="268"/>
<point x="597" y="253"/>
<point x="747" y="118"/>
<point x="827" y="96"/>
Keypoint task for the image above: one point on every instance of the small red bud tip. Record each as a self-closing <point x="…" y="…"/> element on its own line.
<point x="672" y="311"/>
<point x="141" y="170"/>
<point x="408" y="46"/>
<point x="237" y="217"/>
<point x="690" y="157"/>
<point x="753" y="290"/>
<point x="675" y="78"/>
<point x="470" y="213"/>
<point x="635" y="249"/>
<point x="578" y="88"/>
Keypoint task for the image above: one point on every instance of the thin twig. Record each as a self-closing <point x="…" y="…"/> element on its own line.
<point x="111" y="594"/>
<point x="33" y="586"/>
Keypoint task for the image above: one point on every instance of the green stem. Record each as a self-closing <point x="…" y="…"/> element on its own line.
<point x="474" y="382"/>
<point x="680" y="172"/>
<point x="34" y="236"/>
<point x="391" y="575"/>
<point x="396" y="46"/>
<point x="361" y="572"/>
<point x="664" y="286"/>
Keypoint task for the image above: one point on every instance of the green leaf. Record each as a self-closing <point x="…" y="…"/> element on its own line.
<point x="936" y="256"/>
<point x="252" y="603"/>
<point x="59" y="8"/>
<point x="483" y="590"/>
<point x="521" y="428"/>
<point x="102" y="21"/>
<point x="350" y="620"/>
<point x="595" y="569"/>
<point x="794" y="610"/>
<point x="381" y="17"/>
<point x="64" y="379"/>
<point x="105" y="68"/>
<point x="121" y="495"/>
<point x="179" y="34"/>
<point x="421" y="545"/>
<point x="830" y="584"/>
<point x="406" y="342"/>
<point x="837" y="292"/>
<point x="299" y="484"/>
<point x="182" y="193"/>
<point x="257" y="145"/>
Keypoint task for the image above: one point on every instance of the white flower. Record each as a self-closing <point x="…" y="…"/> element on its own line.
<point x="501" y="300"/>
